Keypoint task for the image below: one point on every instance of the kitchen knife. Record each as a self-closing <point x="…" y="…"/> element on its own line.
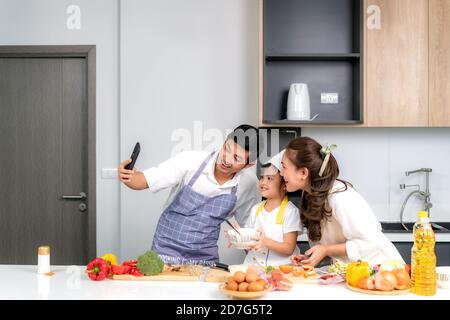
<point x="221" y="266"/>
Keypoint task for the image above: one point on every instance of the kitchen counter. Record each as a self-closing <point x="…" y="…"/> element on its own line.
<point x="21" y="282"/>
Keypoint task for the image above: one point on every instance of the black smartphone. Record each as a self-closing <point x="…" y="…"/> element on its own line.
<point x="134" y="156"/>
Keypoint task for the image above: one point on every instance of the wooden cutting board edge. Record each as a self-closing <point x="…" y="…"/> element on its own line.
<point x="213" y="275"/>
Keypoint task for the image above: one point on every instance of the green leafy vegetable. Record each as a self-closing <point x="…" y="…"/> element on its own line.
<point x="269" y="269"/>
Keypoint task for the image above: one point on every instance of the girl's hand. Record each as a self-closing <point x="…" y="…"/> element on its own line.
<point x="316" y="255"/>
<point x="259" y="241"/>
<point x="236" y="225"/>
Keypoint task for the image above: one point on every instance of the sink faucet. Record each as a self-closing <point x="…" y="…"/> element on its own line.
<point x="426" y="195"/>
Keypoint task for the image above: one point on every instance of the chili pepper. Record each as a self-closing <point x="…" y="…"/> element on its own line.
<point x="97" y="269"/>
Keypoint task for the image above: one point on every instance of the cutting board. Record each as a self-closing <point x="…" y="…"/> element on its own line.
<point x="186" y="273"/>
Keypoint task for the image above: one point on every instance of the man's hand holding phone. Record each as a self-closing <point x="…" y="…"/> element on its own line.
<point x="126" y="175"/>
<point x="129" y="175"/>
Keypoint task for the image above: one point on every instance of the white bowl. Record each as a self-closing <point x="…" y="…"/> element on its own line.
<point x="243" y="239"/>
<point x="238" y="267"/>
<point x="443" y="277"/>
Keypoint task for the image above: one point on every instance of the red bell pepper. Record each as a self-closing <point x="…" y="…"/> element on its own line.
<point x="97" y="269"/>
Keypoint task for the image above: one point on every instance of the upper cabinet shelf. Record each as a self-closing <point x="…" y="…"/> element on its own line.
<point x="318" y="43"/>
<point x="312" y="26"/>
<point x="313" y="57"/>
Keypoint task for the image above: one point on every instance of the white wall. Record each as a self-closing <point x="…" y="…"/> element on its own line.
<point x="43" y="22"/>
<point x="375" y="161"/>
<point x="181" y="61"/>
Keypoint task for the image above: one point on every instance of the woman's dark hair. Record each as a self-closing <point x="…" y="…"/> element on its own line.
<point x="248" y="137"/>
<point x="305" y="152"/>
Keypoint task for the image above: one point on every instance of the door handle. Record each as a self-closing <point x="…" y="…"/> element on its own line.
<point x="80" y="197"/>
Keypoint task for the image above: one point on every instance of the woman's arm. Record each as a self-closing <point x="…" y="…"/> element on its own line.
<point x="285" y="248"/>
<point x="337" y="250"/>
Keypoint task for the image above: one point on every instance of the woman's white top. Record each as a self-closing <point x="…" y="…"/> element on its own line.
<point x="268" y="222"/>
<point x="354" y="223"/>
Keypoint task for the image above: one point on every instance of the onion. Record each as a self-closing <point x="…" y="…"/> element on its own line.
<point x="385" y="281"/>
<point x="403" y="280"/>
<point x="370" y="283"/>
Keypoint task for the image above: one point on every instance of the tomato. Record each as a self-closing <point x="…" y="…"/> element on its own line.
<point x="120" y="269"/>
<point x="277" y="275"/>
<point x="130" y="263"/>
<point x="135" y="272"/>
<point x="408" y="269"/>
<point x="286" y="269"/>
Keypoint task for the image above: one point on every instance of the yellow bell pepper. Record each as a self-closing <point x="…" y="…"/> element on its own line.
<point x="110" y="259"/>
<point x="356" y="271"/>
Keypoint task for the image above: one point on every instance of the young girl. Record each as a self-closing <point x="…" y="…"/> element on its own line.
<point x="339" y="221"/>
<point x="276" y="218"/>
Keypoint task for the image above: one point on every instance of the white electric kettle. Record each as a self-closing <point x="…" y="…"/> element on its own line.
<point x="299" y="107"/>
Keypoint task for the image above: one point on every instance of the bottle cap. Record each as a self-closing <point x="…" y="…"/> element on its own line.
<point x="44" y="250"/>
<point x="423" y="214"/>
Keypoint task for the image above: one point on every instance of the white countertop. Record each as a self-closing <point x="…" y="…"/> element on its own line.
<point x="22" y="282"/>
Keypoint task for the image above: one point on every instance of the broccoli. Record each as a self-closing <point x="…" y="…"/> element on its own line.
<point x="150" y="263"/>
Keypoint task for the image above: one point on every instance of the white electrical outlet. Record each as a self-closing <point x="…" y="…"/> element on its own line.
<point x="329" y="98"/>
<point x="109" y="173"/>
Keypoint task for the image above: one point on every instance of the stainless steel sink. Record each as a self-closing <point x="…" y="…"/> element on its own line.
<point x="396" y="227"/>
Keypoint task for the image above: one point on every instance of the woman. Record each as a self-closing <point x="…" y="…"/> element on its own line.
<point x="339" y="221"/>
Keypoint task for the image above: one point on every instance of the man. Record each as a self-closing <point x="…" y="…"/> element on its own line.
<point x="207" y="188"/>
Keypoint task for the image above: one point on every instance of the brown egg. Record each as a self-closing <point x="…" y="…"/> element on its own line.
<point x="251" y="276"/>
<point x="255" y="286"/>
<point x="243" y="286"/>
<point x="239" y="277"/>
<point x="261" y="282"/>
<point x="232" y="285"/>
<point x="252" y="269"/>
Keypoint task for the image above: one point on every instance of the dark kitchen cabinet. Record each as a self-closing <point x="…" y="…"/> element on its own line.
<point x="314" y="42"/>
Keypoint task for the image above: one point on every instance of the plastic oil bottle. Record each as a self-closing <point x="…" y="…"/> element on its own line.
<point x="423" y="258"/>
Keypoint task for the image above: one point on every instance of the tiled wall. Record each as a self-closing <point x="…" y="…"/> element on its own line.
<point x="375" y="161"/>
